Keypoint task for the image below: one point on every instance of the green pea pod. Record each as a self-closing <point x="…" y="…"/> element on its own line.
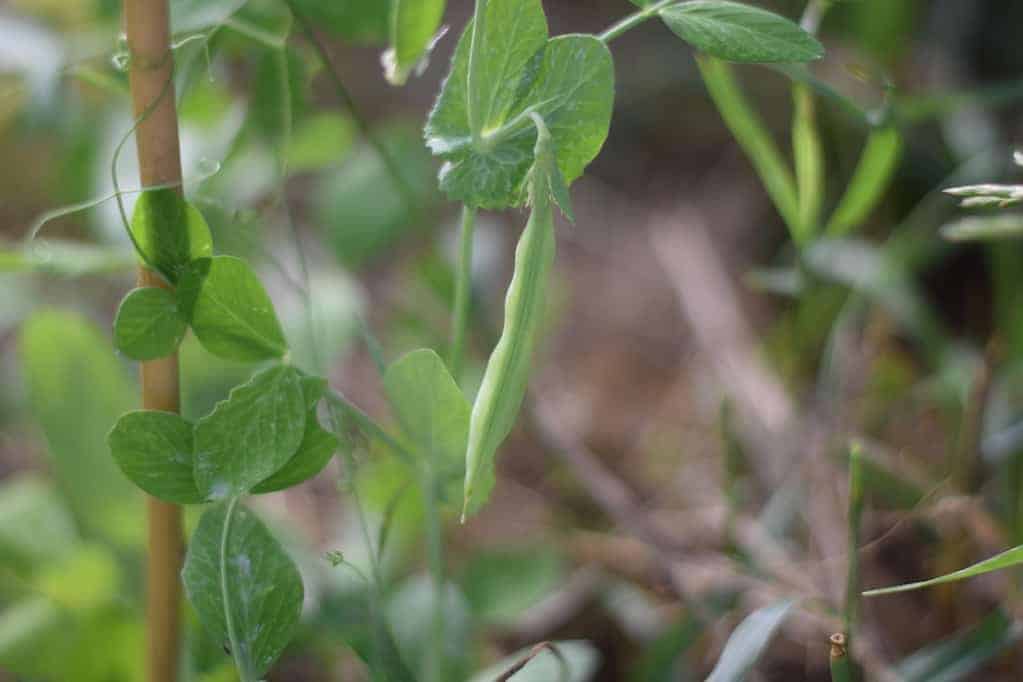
<point x="507" y="374"/>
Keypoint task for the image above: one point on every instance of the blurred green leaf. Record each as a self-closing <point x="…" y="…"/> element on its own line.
<point x="748" y="642"/>
<point x="360" y="207"/>
<point x="35" y="525"/>
<point x="486" y="137"/>
<point x="261" y="587"/>
<point x="61" y="258"/>
<point x="169" y="231"/>
<point x="413" y="26"/>
<point x="740" y="33"/>
<point x="251" y="435"/>
<point x="871" y="179"/>
<point x="1006" y="559"/>
<point x="230" y="311"/>
<point x="502" y="584"/>
<point x="409" y="612"/>
<point x="155" y="450"/>
<point x="359" y="21"/>
<point x="431" y="409"/>
<point x="984" y="228"/>
<point x="196" y="15"/>
<point x="28" y="627"/>
<point x="578" y="659"/>
<point x="77" y="391"/>
<point x="148" y="324"/>
<point x="319" y="141"/>
<point x="960" y="656"/>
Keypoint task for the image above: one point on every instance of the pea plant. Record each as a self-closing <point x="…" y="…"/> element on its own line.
<point x="518" y="119"/>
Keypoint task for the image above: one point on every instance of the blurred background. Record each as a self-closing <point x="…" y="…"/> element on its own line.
<point x="682" y="459"/>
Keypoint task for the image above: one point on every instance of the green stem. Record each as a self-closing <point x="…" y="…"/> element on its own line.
<point x="472" y="72"/>
<point x="463" y="293"/>
<point x="240" y="660"/>
<point x="633" y="20"/>
<point x="435" y="557"/>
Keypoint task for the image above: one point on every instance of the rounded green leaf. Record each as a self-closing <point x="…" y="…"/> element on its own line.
<point x="571" y="85"/>
<point x="148" y="324"/>
<point x="230" y="311"/>
<point x="740" y="33"/>
<point x="169" y="232"/>
<point x="316" y="449"/>
<point x="251" y="435"/>
<point x="430" y="407"/>
<point x="488" y="151"/>
<point x="154" y="450"/>
<point x="261" y="588"/>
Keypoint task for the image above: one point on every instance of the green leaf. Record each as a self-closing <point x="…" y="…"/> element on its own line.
<point x="569" y="81"/>
<point x="317" y="447"/>
<point x="414" y="23"/>
<point x="261" y="589"/>
<point x="1006" y="559"/>
<point x="195" y="15"/>
<point x="577" y="663"/>
<point x="753" y="136"/>
<point x="506" y="376"/>
<point x="872" y="177"/>
<point x="251" y="435"/>
<point x="230" y="311"/>
<point x="36" y="527"/>
<point x="154" y="449"/>
<point x="503" y="584"/>
<point x="748" y="642"/>
<point x="359" y="21"/>
<point x="430" y="407"/>
<point x="958" y="657"/>
<point x="78" y="389"/>
<point x="319" y="141"/>
<point x="169" y="232"/>
<point x="62" y="258"/>
<point x="148" y="324"/>
<point x="984" y="228"/>
<point x="740" y="33"/>
<point x="409" y="612"/>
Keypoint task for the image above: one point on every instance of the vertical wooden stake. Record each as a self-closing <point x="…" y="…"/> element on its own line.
<point x="147" y="26"/>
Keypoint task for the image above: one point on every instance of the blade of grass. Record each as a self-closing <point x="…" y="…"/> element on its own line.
<point x="1006" y="559"/>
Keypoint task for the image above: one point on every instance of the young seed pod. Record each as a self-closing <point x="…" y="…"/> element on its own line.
<point x="507" y="373"/>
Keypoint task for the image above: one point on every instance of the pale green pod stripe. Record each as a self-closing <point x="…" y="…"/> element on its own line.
<point x="507" y="373"/>
<point x="873" y="173"/>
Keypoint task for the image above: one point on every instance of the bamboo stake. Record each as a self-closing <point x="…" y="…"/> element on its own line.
<point x="147" y="26"/>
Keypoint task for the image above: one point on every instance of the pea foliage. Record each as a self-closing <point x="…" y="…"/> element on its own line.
<point x="519" y="117"/>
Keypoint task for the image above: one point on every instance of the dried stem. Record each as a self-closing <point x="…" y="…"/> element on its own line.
<point x="147" y="26"/>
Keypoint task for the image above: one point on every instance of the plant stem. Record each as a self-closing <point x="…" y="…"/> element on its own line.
<point x="472" y="104"/>
<point x="633" y="20"/>
<point x="147" y="27"/>
<point x="346" y="98"/>
<point x="463" y="293"/>
<point x="435" y="557"/>
<point x="240" y="660"/>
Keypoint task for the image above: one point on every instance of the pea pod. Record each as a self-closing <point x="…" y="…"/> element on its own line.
<point x="504" y="381"/>
<point x="874" y="172"/>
